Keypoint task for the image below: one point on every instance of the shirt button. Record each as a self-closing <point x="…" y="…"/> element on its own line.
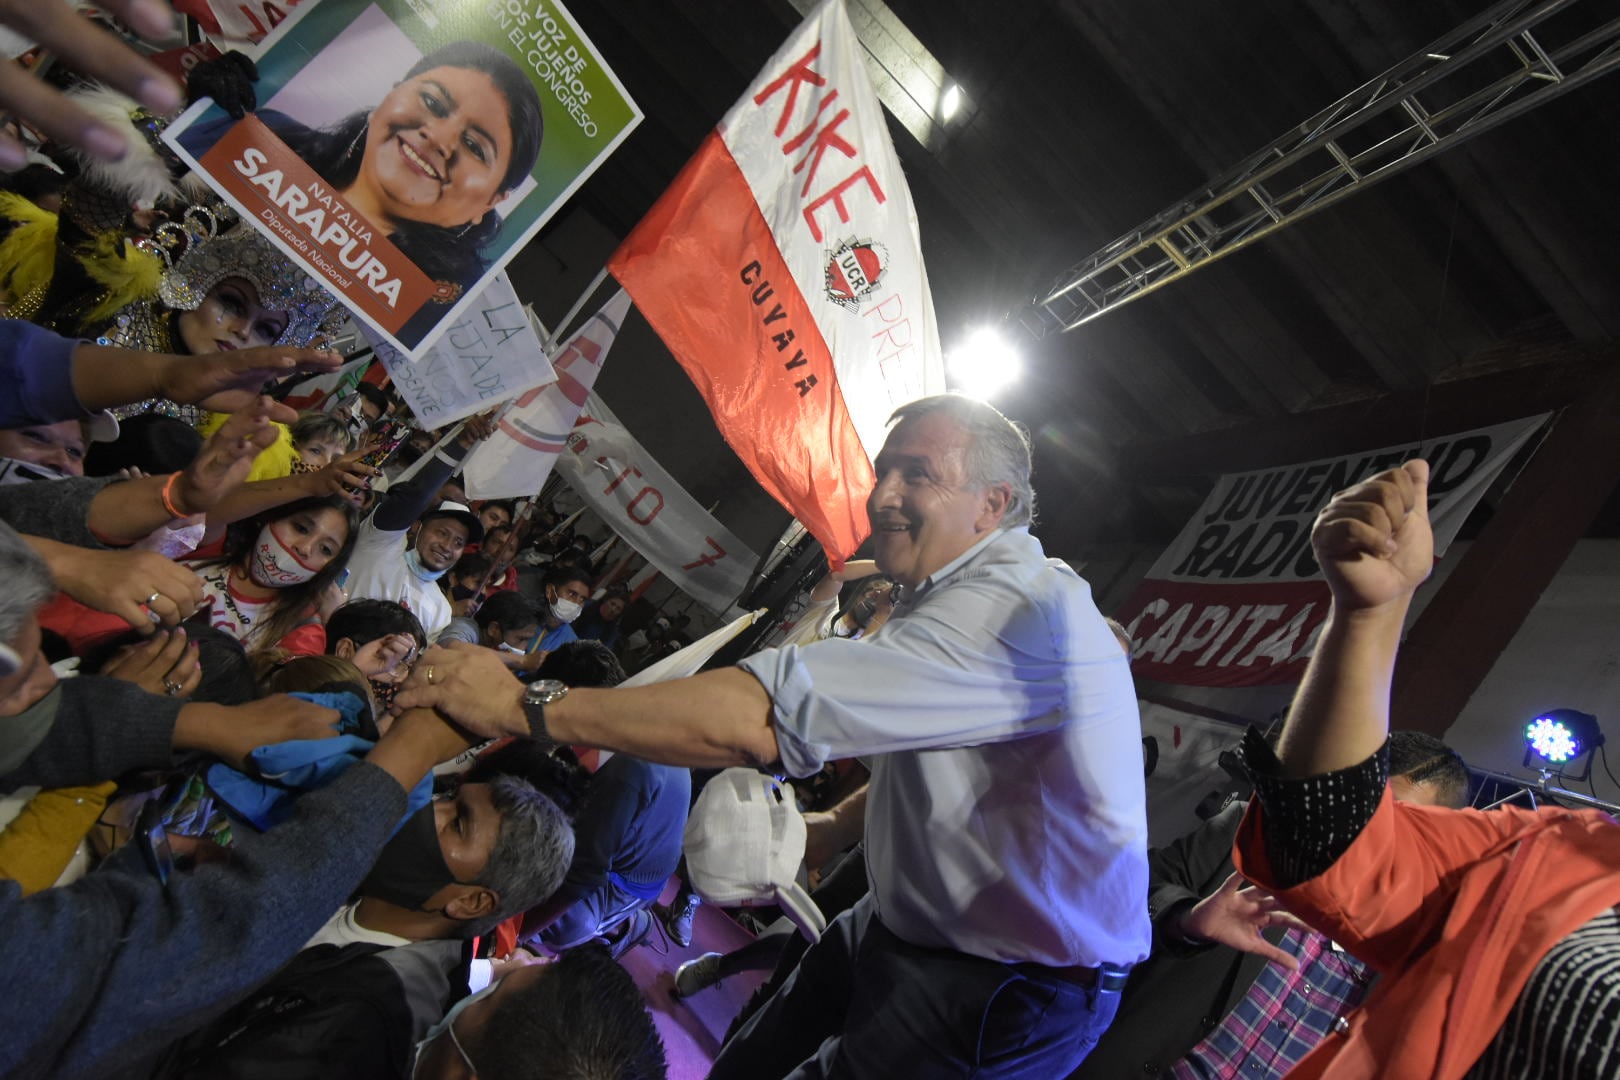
<point x="1341" y="1025"/>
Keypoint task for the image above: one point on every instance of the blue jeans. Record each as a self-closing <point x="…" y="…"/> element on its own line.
<point x="864" y="1003"/>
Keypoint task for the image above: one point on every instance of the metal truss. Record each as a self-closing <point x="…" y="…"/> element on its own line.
<point x="1538" y="791"/>
<point x="1485" y="72"/>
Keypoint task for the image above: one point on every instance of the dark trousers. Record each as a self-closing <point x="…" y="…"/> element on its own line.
<point x="864" y="1003"/>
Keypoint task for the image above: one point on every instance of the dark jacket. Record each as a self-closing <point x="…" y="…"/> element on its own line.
<point x="1180" y="992"/>
<point x="98" y="977"/>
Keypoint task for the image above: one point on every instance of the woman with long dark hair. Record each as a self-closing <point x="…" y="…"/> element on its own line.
<point x="264" y="584"/>
<point x="430" y="162"/>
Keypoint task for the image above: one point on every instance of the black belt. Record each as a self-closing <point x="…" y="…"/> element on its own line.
<point x="1104" y="978"/>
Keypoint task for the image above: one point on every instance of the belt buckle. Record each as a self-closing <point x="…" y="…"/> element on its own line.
<point x="1111" y="978"/>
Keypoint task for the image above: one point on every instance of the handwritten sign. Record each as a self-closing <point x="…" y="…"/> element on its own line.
<point x="489" y="355"/>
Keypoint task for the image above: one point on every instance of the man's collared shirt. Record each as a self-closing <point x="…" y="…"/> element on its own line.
<point x="1284" y="1014"/>
<point x="1006" y="816"/>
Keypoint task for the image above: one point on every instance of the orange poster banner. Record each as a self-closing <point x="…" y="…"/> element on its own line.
<point x="302" y="212"/>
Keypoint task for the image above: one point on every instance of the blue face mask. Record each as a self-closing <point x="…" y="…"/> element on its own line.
<point x="447" y="1027"/>
<point x="413" y="563"/>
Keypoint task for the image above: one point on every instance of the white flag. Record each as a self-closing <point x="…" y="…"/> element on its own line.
<point x="629" y="490"/>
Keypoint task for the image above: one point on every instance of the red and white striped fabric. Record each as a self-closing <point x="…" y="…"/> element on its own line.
<point x="784" y="271"/>
<point x="515" y="461"/>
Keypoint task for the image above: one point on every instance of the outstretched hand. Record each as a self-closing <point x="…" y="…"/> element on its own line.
<point x="229" y="381"/>
<point x="1374" y="542"/>
<point x="80" y="44"/>
<point x="345" y="476"/>
<point x="1235" y="916"/>
<point x="467" y="684"/>
<point x="226" y="458"/>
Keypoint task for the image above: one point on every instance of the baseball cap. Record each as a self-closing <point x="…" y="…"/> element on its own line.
<point x="462" y="513"/>
<point x="744" y="842"/>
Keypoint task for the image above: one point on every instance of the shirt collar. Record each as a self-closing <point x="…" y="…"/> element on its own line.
<point x="944" y="573"/>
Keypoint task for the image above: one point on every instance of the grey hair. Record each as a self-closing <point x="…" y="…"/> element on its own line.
<point x="998" y="448"/>
<point x="531" y="853"/>
<point x="28" y="582"/>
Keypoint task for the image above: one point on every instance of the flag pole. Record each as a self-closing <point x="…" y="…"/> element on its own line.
<point x="573" y="312"/>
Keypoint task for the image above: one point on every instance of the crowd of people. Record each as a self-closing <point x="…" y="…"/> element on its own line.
<point x="314" y="767"/>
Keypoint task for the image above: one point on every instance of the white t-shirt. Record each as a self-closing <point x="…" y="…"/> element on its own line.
<point x="377" y="571"/>
<point x="341" y="929"/>
<point x="229" y="610"/>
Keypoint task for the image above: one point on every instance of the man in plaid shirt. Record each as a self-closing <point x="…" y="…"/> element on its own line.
<point x="1284" y="1014"/>
<point x="1216" y="998"/>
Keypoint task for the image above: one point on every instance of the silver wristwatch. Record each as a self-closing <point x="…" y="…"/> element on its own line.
<point x="536" y="696"/>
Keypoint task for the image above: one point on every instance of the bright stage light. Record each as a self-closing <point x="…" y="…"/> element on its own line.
<point x="984" y="364"/>
<point x="950" y="102"/>
<point x="1558" y="739"/>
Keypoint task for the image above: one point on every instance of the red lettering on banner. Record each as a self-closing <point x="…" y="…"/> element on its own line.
<point x="799" y="74"/>
<point x="630" y="507"/>
<point x="836" y="197"/>
<point x="707" y="559"/>
<point x="825" y="139"/>
<point x="617" y="480"/>
<point x="1207" y="634"/>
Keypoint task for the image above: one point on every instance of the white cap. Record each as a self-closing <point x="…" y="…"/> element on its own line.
<point x="744" y="843"/>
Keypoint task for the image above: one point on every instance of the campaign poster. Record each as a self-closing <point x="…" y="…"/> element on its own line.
<point x="403" y="151"/>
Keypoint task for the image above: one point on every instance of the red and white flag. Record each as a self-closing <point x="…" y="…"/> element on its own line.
<point x="784" y="271"/>
<point x="515" y="461"/>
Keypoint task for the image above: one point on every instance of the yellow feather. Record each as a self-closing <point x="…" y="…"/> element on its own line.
<point x="28" y="253"/>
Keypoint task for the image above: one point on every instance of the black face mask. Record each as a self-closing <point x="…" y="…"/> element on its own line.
<point x="461" y="592"/>
<point x="411" y="867"/>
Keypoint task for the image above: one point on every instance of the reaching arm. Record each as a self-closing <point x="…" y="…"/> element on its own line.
<point x="122" y="982"/>
<point x="406" y="502"/>
<point x="105" y="376"/>
<point x="713" y="720"/>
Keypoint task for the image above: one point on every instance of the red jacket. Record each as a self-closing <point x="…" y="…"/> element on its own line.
<point x="1454" y="908"/>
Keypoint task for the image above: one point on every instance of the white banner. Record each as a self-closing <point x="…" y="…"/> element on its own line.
<point x="490" y="355"/>
<point x="629" y="490"/>
<point x="515" y="461"/>
<point x="1237" y="598"/>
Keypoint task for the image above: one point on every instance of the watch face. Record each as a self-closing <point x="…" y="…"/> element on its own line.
<point x="547" y="690"/>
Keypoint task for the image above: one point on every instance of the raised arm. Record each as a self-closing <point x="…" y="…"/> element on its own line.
<point x="1375" y="547"/>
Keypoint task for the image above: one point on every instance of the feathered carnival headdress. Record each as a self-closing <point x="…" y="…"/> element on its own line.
<point x="314" y="315"/>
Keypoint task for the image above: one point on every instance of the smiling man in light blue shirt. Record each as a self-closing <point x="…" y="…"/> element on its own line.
<point x="1006" y="832"/>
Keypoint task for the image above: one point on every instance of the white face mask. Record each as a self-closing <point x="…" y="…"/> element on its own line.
<point x="273" y="566"/>
<point x="565" y="610"/>
<point x="413" y="563"/>
<point x="447" y="1026"/>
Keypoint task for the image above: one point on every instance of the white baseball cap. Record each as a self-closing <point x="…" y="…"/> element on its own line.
<point x="744" y="843"/>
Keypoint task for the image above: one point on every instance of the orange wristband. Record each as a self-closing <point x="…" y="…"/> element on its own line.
<point x="167" y="497"/>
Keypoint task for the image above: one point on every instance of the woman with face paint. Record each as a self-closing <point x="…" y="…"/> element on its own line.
<point x="262" y="587"/>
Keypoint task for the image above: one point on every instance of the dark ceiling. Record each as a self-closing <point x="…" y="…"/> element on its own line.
<point x="1465" y="290"/>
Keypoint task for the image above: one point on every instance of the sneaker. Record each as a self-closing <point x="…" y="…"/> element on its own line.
<point x="678" y="920"/>
<point x="699" y="974"/>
